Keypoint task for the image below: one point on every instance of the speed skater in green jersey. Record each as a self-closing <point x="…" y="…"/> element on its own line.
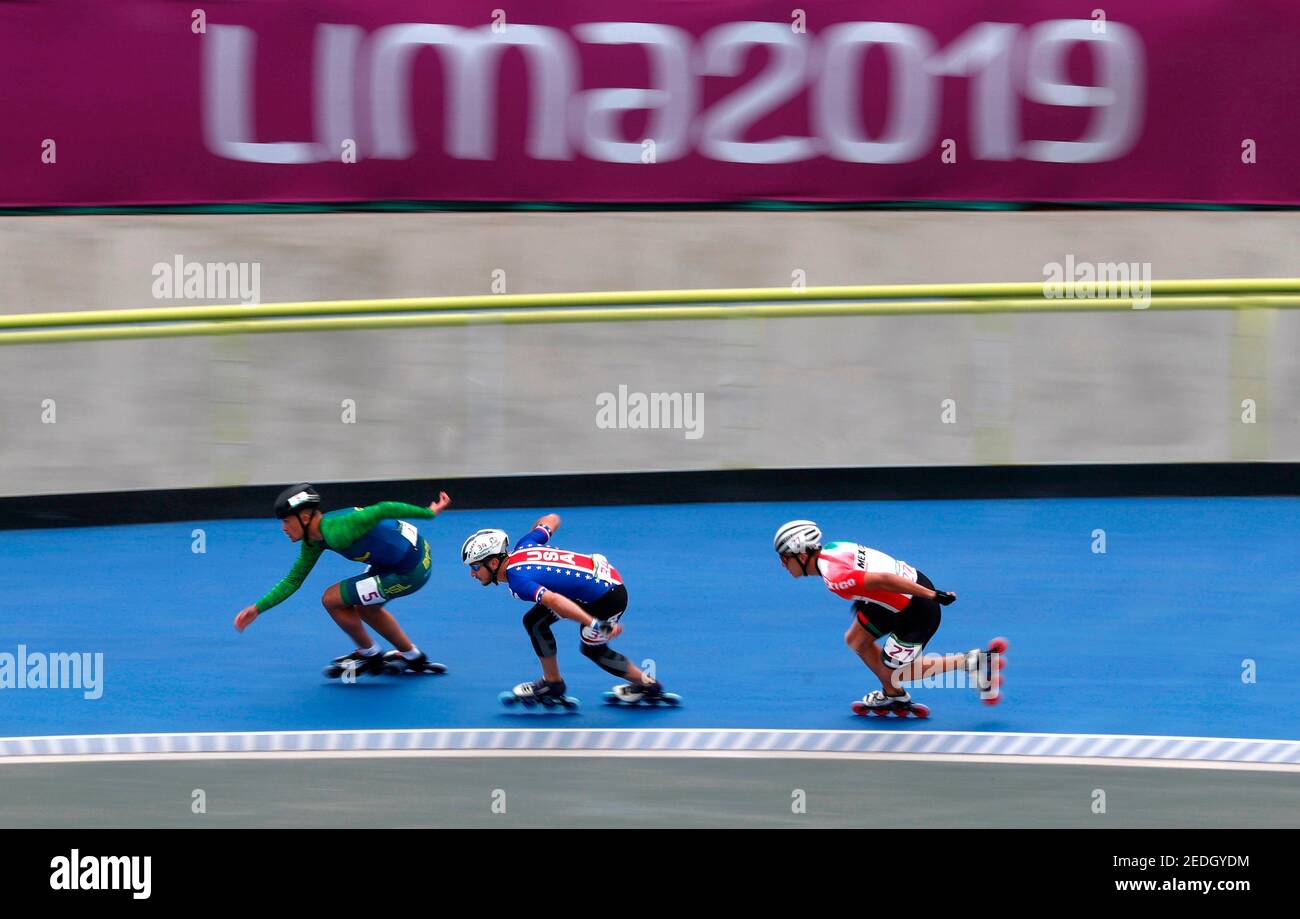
<point x="398" y="562"/>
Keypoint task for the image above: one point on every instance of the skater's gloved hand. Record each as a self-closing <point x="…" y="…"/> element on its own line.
<point x="604" y="628"/>
<point x="245" y="618"/>
<point x="944" y="597"/>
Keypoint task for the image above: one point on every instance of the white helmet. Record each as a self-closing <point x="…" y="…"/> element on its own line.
<point x="797" y="537"/>
<point x="483" y="545"/>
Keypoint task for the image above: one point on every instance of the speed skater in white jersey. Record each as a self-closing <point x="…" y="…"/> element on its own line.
<point x="892" y="603"/>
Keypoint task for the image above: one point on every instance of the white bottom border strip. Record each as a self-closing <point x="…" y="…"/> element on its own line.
<point x="1117" y="749"/>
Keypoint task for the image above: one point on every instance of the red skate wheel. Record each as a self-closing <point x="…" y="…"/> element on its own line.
<point x="998" y="645"/>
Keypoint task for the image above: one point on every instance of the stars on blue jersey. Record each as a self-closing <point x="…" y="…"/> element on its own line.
<point x="530" y="578"/>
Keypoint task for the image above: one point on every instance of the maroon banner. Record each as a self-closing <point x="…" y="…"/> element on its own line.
<point x="151" y="102"/>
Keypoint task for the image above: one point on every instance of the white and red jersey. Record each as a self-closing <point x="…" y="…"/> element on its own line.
<point x="843" y="566"/>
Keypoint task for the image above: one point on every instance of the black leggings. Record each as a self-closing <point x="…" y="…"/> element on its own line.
<point x="915" y="623"/>
<point x="609" y="605"/>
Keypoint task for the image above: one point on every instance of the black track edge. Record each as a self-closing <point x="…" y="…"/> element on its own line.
<point x="616" y="488"/>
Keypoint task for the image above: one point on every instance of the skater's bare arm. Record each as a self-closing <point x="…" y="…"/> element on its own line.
<point x="892" y="582"/>
<point x="550" y="521"/>
<point x="565" y="608"/>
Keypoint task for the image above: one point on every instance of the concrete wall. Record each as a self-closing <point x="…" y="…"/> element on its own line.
<point x="1131" y="387"/>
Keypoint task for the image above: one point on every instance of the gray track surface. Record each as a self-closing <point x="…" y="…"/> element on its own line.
<point x="635" y="791"/>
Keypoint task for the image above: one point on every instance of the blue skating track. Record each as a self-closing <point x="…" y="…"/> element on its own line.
<point x="1148" y="638"/>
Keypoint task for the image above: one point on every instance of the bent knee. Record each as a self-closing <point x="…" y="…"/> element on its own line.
<point x="857" y="638"/>
<point x="537" y="615"/>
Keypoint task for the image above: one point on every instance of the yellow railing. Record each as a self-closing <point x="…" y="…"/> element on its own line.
<point x="631" y="306"/>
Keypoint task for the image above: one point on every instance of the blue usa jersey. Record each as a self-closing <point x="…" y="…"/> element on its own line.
<point x="533" y="568"/>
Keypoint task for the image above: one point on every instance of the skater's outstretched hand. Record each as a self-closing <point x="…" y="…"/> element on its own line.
<point x="245" y="618"/>
<point x="443" y="502"/>
<point x="945" y="597"/>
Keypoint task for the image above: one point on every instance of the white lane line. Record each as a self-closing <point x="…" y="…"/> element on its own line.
<point x="432" y="753"/>
<point x="1001" y="747"/>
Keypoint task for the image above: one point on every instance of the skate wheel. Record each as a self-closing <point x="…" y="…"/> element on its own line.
<point x="570" y="703"/>
<point x="993" y="701"/>
<point x="998" y="645"/>
<point x="672" y="700"/>
<point x="858" y="708"/>
<point x="920" y="711"/>
<point x="610" y="698"/>
<point x="508" y="698"/>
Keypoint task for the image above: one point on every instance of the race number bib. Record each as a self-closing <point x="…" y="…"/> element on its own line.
<point x="409" y="532"/>
<point x="899" y="653"/>
<point x="601" y="569"/>
<point x="368" y="591"/>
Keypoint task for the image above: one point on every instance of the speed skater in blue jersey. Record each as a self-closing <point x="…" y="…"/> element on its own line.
<point x="397" y="557"/>
<point x="561" y="585"/>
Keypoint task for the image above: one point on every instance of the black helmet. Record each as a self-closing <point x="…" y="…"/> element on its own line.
<point x="296" y="498"/>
